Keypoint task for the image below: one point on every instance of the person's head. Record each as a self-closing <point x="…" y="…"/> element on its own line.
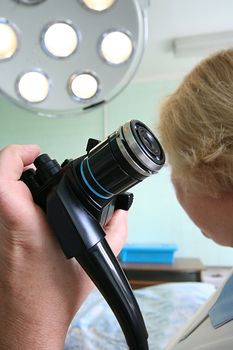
<point x="196" y="131"/>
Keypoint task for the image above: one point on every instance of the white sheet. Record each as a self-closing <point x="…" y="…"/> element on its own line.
<point x="165" y="309"/>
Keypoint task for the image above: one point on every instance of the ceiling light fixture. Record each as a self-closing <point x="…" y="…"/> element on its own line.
<point x="83" y="86"/>
<point x="60" y="39"/>
<point x="74" y="54"/>
<point x="116" y="47"/>
<point x="33" y="87"/>
<point x="98" y="5"/>
<point x="9" y="40"/>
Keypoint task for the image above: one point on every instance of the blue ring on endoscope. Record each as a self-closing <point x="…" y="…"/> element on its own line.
<point x="88" y="185"/>
<point x="97" y="183"/>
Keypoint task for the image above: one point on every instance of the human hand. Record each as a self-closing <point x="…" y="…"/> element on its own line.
<point x="40" y="289"/>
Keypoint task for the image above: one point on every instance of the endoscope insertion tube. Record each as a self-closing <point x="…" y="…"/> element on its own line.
<point x="102" y="267"/>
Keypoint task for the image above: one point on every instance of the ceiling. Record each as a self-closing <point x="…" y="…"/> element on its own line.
<point x="170" y="19"/>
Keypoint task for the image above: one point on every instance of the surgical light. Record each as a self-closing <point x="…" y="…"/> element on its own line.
<point x="60" y="39"/>
<point x="98" y="5"/>
<point x="116" y="47"/>
<point x="83" y="86"/>
<point x="8" y="42"/>
<point x="60" y="58"/>
<point x="33" y="87"/>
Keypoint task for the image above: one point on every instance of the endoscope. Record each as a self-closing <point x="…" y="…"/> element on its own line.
<point x="80" y="196"/>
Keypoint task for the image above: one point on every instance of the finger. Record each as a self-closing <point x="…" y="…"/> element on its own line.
<point x="117" y="230"/>
<point x="14" y="158"/>
<point x="119" y="216"/>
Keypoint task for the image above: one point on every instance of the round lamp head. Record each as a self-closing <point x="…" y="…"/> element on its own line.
<point x="9" y="40"/>
<point x="60" y="40"/>
<point x="98" y="5"/>
<point x="116" y="47"/>
<point x="33" y="87"/>
<point x="84" y="57"/>
<point x="83" y="86"/>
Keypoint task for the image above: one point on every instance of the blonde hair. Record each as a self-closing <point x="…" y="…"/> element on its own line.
<point x="196" y="126"/>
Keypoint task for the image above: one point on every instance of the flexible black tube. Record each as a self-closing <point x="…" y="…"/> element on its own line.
<point x="105" y="271"/>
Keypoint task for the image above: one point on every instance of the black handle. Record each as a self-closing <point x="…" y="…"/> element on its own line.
<point x="101" y="265"/>
<point x="82" y="237"/>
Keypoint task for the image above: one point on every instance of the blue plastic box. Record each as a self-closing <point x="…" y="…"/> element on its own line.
<point x="148" y="253"/>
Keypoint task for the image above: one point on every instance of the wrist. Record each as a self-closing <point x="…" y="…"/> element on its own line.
<point x="30" y="338"/>
<point x="28" y="326"/>
<point x="18" y="332"/>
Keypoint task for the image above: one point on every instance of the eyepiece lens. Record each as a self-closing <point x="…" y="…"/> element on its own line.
<point x="149" y="142"/>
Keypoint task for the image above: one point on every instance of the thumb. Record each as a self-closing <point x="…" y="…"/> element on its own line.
<point x="14" y="158"/>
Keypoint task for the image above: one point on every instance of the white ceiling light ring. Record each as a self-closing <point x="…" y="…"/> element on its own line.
<point x="51" y="43"/>
<point x="10" y="39"/>
<point x="33" y="86"/>
<point x="116" y="46"/>
<point x="98" y="5"/>
<point x="83" y="86"/>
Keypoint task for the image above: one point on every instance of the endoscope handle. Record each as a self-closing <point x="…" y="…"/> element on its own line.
<point x="82" y="237"/>
<point x="105" y="271"/>
<point x="75" y="229"/>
